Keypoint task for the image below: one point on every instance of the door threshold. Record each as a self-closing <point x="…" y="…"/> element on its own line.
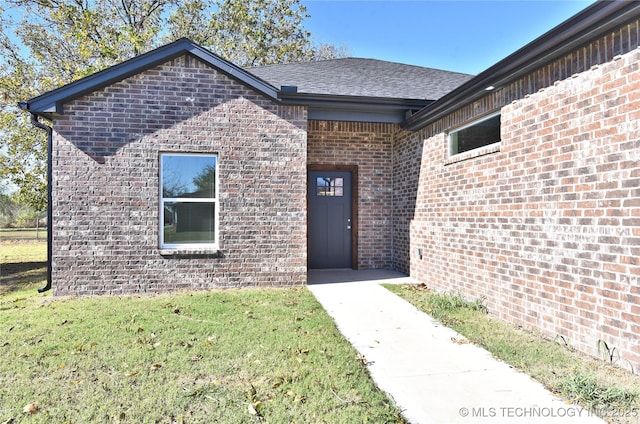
<point x="329" y="269"/>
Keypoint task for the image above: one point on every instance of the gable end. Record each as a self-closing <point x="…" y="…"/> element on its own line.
<point x="52" y="103"/>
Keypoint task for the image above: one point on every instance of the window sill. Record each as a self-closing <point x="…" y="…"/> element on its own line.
<point x="191" y="253"/>
<point x="480" y="151"/>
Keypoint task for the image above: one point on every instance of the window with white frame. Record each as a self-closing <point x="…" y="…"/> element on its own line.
<point x="477" y="134"/>
<point x="188" y="201"/>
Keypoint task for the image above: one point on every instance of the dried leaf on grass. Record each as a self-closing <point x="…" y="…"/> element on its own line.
<point x="296" y="397"/>
<point x="31" y="408"/>
<point x="254" y="408"/>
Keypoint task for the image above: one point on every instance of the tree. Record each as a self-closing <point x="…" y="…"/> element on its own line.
<point x="56" y="42"/>
<point x="8" y="206"/>
<point x="261" y="32"/>
<point x="47" y="43"/>
<point x="205" y="181"/>
<point x="325" y="51"/>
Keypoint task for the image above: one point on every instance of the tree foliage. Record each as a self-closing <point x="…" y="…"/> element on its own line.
<point x="7" y="207"/>
<point x="47" y="43"/>
<point x="205" y="181"/>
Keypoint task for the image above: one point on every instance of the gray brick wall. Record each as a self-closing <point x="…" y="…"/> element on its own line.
<point x="106" y="176"/>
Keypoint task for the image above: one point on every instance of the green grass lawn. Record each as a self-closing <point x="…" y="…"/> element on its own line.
<point x="22" y="266"/>
<point x="609" y="391"/>
<point x="231" y="356"/>
<point x="23" y="234"/>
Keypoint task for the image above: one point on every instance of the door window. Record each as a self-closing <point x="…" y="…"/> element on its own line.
<point x="329" y="186"/>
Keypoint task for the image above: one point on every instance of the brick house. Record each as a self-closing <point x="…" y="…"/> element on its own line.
<point x="521" y="185"/>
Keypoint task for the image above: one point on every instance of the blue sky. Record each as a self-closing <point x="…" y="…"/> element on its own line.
<point x="464" y="36"/>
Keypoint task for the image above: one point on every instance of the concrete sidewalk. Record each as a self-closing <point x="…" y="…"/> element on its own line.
<point x="432" y="378"/>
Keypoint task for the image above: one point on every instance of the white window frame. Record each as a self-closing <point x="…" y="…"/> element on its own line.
<point x="163" y="200"/>
<point x="469" y="125"/>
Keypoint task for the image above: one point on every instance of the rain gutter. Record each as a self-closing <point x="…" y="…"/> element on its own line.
<point x="353" y="108"/>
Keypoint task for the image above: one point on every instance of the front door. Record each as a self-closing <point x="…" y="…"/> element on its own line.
<point x="330" y="219"/>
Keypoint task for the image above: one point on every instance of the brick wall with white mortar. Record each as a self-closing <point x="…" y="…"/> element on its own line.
<point x="106" y="175"/>
<point x="545" y="228"/>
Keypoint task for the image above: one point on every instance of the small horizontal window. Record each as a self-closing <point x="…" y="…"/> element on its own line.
<point x="327" y="186"/>
<point x="475" y="135"/>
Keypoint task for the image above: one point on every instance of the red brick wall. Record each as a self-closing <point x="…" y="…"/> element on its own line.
<point x="369" y="146"/>
<point x="407" y="158"/>
<point x="105" y="184"/>
<point x="546" y="226"/>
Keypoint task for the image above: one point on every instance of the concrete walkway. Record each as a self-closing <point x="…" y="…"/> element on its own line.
<point x="432" y="378"/>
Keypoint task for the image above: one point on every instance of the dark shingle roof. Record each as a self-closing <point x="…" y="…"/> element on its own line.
<point x="362" y="77"/>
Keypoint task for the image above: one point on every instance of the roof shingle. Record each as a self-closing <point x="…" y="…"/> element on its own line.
<point x="362" y="77"/>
